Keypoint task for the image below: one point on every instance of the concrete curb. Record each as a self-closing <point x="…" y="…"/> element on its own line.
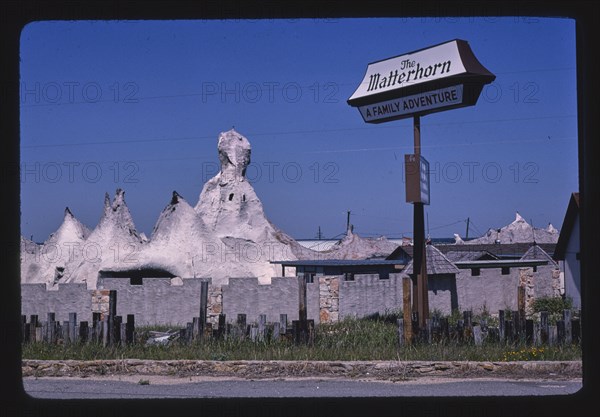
<point x="393" y="370"/>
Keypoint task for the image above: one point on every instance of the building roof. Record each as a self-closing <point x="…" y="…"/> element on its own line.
<point x="437" y="263"/>
<point x="571" y="215"/>
<point x="499" y="250"/>
<point x="340" y="262"/>
<point x="501" y="263"/>
<point x="537" y="253"/>
<point x="457" y="256"/>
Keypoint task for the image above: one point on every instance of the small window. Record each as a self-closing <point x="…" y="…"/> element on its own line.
<point x="475" y="272"/>
<point x="348" y="276"/>
<point x="230" y="196"/>
<point x="309" y="277"/>
<point x="505" y="270"/>
<point x="136" y="281"/>
<point x="243" y="197"/>
<point x="535" y="269"/>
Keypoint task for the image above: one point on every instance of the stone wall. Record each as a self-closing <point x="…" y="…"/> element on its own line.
<point x="165" y="301"/>
<point x="329" y="299"/>
<point x="62" y="300"/>
<point x="490" y="289"/>
<point x="176" y="301"/>
<point x="368" y="294"/>
<point x="247" y="296"/>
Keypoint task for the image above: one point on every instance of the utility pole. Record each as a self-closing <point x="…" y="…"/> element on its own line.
<point x="467" y="234"/>
<point x="348" y="220"/>
<point x="420" y="296"/>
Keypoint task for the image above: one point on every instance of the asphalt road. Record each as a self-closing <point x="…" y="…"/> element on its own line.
<point x="162" y="387"/>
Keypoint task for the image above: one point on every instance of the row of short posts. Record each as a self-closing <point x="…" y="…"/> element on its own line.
<point x="258" y="331"/>
<point x="302" y="330"/>
<point x="513" y="327"/>
<point x="107" y="329"/>
<point x="72" y="331"/>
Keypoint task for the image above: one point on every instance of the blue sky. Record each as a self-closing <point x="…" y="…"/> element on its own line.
<point x="139" y="106"/>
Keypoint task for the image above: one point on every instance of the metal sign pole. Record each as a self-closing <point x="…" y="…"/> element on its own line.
<point x="421" y="299"/>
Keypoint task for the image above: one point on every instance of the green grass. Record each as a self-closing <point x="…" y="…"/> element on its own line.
<point x="349" y="340"/>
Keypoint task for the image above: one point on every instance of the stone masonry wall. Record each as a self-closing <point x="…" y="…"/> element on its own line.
<point x="329" y="299"/>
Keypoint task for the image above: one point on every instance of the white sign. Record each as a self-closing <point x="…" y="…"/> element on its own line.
<point x="416" y="103"/>
<point x="417" y="179"/>
<point x="441" y="61"/>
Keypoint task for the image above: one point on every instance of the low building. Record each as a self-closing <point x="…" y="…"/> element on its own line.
<point x="567" y="251"/>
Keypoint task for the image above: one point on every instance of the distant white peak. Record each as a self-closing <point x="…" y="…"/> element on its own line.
<point x="519" y="219"/>
<point x="457" y="239"/>
<point x="234" y="154"/>
<point x="71" y="229"/>
<point x="551" y="229"/>
<point x="119" y="199"/>
<point x="117" y="214"/>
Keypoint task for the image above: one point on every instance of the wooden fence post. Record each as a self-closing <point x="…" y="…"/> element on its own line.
<point x="537" y="336"/>
<point x="51" y="329"/>
<point x="203" y="308"/>
<point x="302" y="313"/>
<point x="72" y="327"/>
<point x="468" y="331"/>
<point x="117" y="322"/>
<point x="66" y="332"/>
<point x="508" y="330"/>
<point x="416" y="331"/>
<point x="544" y="327"/>
<point x="516" y="319"/>
<point x="501" y="324"/>
<point x="112" y="312"/>
<point x="460" y="330"/>
<point x="130" y="329"/>
<point x="568" y="329"/>
<point x="560" y="331"/>
<point x="576" y="330"/>
<point x="310" y="332"/>
<point x="428" y="329"/>
<point x="33" y="324"/>
<point x="189" y="332"/>
<point x="82" y="334"/>
<point x="241" y="324"/>
<point x="552" y="335"/>
<point x="477" y="337"/>
<point x="283" y="323"/>
<point x="96" y="327"/>
<point x="529" y="331"/>
<point x="444" y="328"/>
<point x="222" y="326"/>
<point x="262" y="327"/>
<point x="24" y="333"/>
<point x="123" y="333"/>
<point x="407" y="309"/>
<point x="196" y="323"/>
<point x="105" y="331"/>
<point x="401" y="338"/>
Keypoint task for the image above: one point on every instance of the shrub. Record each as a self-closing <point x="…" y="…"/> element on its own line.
<point x="553" y="305"/>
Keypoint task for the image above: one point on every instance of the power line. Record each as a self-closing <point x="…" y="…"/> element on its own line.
<point x="266" y="88"/>
<point x="298" y="132"/>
